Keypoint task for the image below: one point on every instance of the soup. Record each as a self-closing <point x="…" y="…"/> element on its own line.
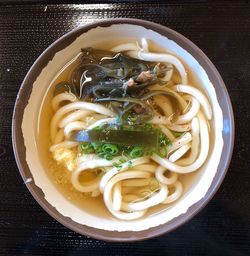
<point x="126" y="127"/>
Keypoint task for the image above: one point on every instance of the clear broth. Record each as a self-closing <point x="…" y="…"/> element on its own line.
<point x="61" y="176"/>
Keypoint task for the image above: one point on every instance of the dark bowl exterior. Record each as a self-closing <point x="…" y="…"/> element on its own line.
<point x="128" y="236"/>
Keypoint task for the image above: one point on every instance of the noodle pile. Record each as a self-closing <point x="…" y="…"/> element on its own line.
<point x="140" y="183"/>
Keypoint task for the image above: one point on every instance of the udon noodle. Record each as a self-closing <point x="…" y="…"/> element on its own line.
<point x="129" y="118"/>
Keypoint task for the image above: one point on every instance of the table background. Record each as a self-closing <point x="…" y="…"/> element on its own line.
<point x="222" y="31"/>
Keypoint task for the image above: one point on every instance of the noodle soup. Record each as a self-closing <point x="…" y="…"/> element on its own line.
<point x="123" y="131"/>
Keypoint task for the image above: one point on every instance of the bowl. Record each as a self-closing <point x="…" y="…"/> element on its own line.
<point x="27" y="148"/>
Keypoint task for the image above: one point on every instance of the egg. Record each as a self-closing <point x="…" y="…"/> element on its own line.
<point x="66" y="157"/>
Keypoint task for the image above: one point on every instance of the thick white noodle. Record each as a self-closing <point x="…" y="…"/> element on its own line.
<point x="72" y="107"/>
<point x="142" y="195"/>
<point x="169" y="73"/>
<point x="198" y="95"/>
<point x="73" y="126"/>
<point x="107" y="176"/>
<point x="173" y="127"/>
<point x="145" y="48"/>
<point x="179" y="153"/>
<point x="159" y="174"/>
<point x="65" y="96"/>
<point x="94" y="163"/>
<point x="194" y="146"/>
<point x="107" y="194"/>
<point x="84" y="166"/>
<point x="125" y="47"/>
<point x="165" y="104"/>
<point x="144" y="167"/>
<point x="179" y="127"/>
<point x="91" y="119"/>
<point x="144" y="44"/>
<point x="136" y="183"/>
<point x="178" y="190"/>
<point x="132" y="46"/>
<point x="167" y="132"/>
<point x="74" y="116"/>
<point x="192" y="112"/>
<point x="204" y="138"/>
<point x="93" y="158"/>
<point x="154" y="199"/>
<point x="181" y="101"/>
<point x="88" y="157"/>
<point x="102" y="121"/>
<point x="117" y="197"/>
<point x="179" y="142"/>
<point x="64" y="144"/>
<point x="145" y="192"/>
<point x="163" y="58"/>
<point x="59" y="136"/>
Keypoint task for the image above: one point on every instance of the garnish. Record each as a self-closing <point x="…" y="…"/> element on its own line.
<point x="127" y="141"/>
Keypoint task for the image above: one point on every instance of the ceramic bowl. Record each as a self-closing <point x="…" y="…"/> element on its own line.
<point x="98" y="224"/>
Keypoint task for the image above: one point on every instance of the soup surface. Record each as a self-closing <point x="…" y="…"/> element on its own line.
<point x="124" y="130"/>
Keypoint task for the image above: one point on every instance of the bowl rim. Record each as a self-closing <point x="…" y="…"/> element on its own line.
<point x="19" y="147"/>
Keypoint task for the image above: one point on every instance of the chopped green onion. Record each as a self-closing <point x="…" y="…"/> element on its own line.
<point x="110" y="149"/>
<point x="136" y="152"/>
<point x="87" y="148"/>
<point x="119" y="137"/>
<point x="108" y="157"/>
<point x="127" y="150"/>
<point x="97" y="147"/>
<point x="162" y="151"/>
<point x="164" y="140"/>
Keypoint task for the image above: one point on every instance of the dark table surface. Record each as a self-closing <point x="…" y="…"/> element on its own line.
<point x="222" y="31"/>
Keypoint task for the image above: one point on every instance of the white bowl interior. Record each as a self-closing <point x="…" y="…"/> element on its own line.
<point x="89" y="212"/>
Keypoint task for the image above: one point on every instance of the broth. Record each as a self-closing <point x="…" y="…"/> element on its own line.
<point x="58" y="172"/>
